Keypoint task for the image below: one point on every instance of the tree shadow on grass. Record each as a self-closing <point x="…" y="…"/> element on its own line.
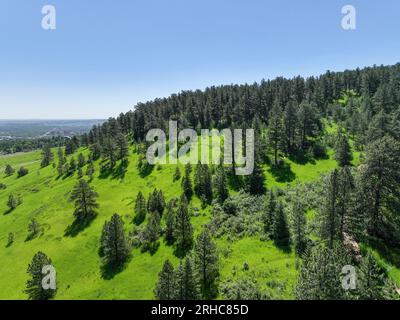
<point x="109" y="271"/>
<point x="67" y="175"/>
<point x="32" y="236"/>
<point x="282" y="172"/>
<point x="138" y="220"/>
<point x="145" y="170"/>
<point x="8" y="211"/>
<point x="388" y="253"/>
<point x="120" y="171"/>
<point x="169" y="242"/>
<point x="180" y="252"/>
<point x="300" y="158"/>
<point x="283" y="246"/>
<point x="323" y="156"/>
<point x="115" y="172"/>
<point x="77" y="226"/>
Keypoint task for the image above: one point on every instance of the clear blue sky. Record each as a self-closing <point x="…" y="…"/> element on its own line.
<point x="105" y="56"/>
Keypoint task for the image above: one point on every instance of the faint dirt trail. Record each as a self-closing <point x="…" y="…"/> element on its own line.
<point x="21" y="165"/>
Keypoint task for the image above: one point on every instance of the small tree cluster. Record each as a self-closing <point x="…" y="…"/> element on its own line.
<point x="156" y="202"/>
<point x="151" y="233"/>
<point x="195" y="278"/>
<point x="177" y="285"/>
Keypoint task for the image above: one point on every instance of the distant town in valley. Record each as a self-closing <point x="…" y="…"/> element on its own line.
<point x="33" y="129"/>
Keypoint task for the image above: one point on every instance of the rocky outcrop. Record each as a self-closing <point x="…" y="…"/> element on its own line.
<point x="352" y="247"/>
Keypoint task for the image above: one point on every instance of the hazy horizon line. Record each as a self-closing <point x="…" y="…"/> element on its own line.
<point x="52" y="119"/>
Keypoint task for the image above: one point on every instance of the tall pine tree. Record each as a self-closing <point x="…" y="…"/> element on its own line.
<point x="187" y="182"/>
<point x="220" y="185"/>
<point x="183" y="227"/>
<point x="84" y="198"/>
<point x="187" y="287"/>
<point x="275" y="130"/>
<point x="140" y="209"/>
<point x="206" y="262"/>
<point x="47" y="156"/>
<point x="34" y="286"/>
<point x="114" y="243"/>
<point x="343" y="154"/>
<point x="299" y="224"/>
<point x="280" y="227"/>
<point x="329" y="211"/>
<point x="166" y="285"/>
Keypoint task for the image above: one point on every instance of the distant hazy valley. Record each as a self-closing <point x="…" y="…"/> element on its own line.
<point x="29" y="129"/>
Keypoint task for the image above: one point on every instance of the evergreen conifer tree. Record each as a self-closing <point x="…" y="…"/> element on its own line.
<point x="170" y="223"/>
<point x="254" y="182"/>
<point x="140" y="208"/>
<point x="280" y="228"/>
<point x="299" y="224"/>
<point x="34" y="287"/>
<point x="84" y="198"/>
<point x="320" y="276"/>
<point x="275" y="130"/>
<point x="90" y="170"/>
<point x="122" y="147"/>
<point x="177" y="174"/>
<point x="166" y="285"/>
<point x="268" y="217"/>
<point x="329" y="212"/>
<point x="380" y="184"/>
<point x="220" y="185"/>
<point x="187" y="183"/>
<point x="33" y="229"/>
<point x="9" y="171"/>
<point x="114" y="243"/>
<point x="183" y="227"/>
<point x="110" y="151"/>
<point x="12" y="202"/>
<point x="187" y="288"/>
<point x="206" y="263"/>
<point x="47" y="156"/>
<point x="372" y="283"/>
<point x="81" y="160"/>
<point x="152" y="232"/>
<point x="343" y="154"/>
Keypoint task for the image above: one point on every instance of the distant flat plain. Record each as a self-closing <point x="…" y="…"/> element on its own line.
<point x="26" y="129"/>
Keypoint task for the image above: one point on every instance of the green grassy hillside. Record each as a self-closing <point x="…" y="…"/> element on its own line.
<point x="76" y="258"/>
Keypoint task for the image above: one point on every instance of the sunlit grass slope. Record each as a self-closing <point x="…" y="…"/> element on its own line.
<point x="76" y="258"/>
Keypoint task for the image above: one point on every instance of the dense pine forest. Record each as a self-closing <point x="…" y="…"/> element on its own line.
<point x="324" y="197"/>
